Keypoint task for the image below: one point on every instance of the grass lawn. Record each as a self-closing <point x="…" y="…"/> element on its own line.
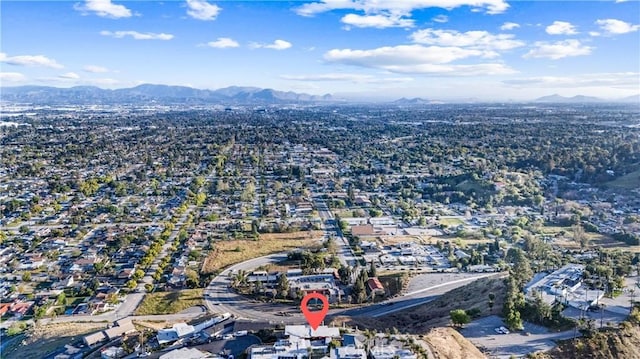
<point x="451" y="222"/>
<point x="170" y="302"/>
<point x="231" y="252"/>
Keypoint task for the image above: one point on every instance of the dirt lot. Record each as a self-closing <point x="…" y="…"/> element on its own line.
<point x="231" y="252"/>
<point x="448" y="343"/>
<point x="47" y="338"/>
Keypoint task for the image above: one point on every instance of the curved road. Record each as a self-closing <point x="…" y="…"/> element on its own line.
<point x="220" y="298"/>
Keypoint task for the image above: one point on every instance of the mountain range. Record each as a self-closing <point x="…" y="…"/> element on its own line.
<point x="555" y="98"/>
<point x="156" y="93"/>
<point x="233" y="95"/>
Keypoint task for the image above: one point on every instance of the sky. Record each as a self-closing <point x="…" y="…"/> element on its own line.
<point x="375" y="49"/>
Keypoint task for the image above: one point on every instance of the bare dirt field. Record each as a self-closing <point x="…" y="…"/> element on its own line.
<point x="226" y="253"/>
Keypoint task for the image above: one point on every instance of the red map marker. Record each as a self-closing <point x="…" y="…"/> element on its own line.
<point x="314" y="318"/>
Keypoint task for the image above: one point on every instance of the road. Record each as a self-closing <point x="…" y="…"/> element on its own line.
<point x="331" y="228"/>
<point x="124" y="310"/>
<point x="481" y="333"/>
<point x="414" y="298"/>
<point x="220" y="298"/>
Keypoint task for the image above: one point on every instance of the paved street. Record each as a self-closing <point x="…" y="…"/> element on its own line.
<point x="481" y="333"/>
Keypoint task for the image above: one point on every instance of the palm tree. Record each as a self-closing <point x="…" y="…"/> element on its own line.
<point x="369" y="334"/>
<point x="239" y="279"/>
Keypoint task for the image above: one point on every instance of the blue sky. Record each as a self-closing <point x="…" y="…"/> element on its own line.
<point x="439" y="49"/>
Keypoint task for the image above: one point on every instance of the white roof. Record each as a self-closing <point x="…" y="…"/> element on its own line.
<point x="186" y="353"/>
<point x="305" y="331"/>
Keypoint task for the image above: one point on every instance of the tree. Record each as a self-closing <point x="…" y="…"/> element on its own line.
<point x="192" y="278"/>
<point x="26" y="276"/>
<point x="359" y="291"/>
<point x="513" y="320"/>
<point x="61" y="299"/>
<point x="579" y="235"/>
<point x="98" y="267"/>
<point x="459" y="317"/>
<point x="283" y="286"/>
<point x="131" y="284"/>
<point x="492" y="298"/>
<point x="372" y="270"/>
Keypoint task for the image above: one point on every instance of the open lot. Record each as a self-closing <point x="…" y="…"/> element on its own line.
<point x="451" y="222"/>
<point x="47" y="338"/>
<point x="227" y="253"/>
<point x="170" y="302"/>
<point x="481" y="333"/>
<point x="595" y="239"/>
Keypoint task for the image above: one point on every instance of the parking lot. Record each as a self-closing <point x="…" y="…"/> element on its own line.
<point x="482" y="333"/>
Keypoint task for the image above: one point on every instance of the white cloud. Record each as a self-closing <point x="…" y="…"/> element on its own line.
<point x="202" y="10"/>
<point x="509" y="26"/>
<point x="30" y="60"/>
<point x="441" y="19"/>
<point x="561" y="28"/>
<point x="223" y="43"/>
<point x="630" y="80"/>
<point x="377" y="21"/>
<point x="417" y="59"/>
<point x="276" y="45"/>
<point x="594" y="33"/>
<point x="137" y="35"/>
<point x="558" y="50"/>
<point x="104" y="8"/>
<point x="356" y="78"/>
<point x="399" y="7"/>
<point x="69" y="75"/>
<point x="12" y="76"/>
<point x="472" y="39"/>
<point x="613" y="26"/>
<point x="95" y="69"/>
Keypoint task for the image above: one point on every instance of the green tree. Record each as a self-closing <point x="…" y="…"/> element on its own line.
<point x="61" y="299"/>
<point x="26" y="276"/>
<point x="192" y="278"/>
<point x="283" y="286"/>
<point x="372" y="270"/>
<point x="459" y="317"/>
<point x="492" y="299"/>
<point x="131" y="284"/>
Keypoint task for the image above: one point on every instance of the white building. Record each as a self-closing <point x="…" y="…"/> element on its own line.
<point x="391" y="352"/>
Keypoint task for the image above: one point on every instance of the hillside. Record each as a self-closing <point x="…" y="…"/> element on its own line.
<point x="608" y="344"/>
<point x="420" y="319"/>
<point x="447" y="343"/>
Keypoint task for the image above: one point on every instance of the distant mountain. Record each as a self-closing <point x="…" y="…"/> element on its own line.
<point x="555" y="98"/>
<point x="585" y="99"/>
<point x="632" y="99"/>
<point x="411" y="101"/>
<point x="156" y="93"/>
